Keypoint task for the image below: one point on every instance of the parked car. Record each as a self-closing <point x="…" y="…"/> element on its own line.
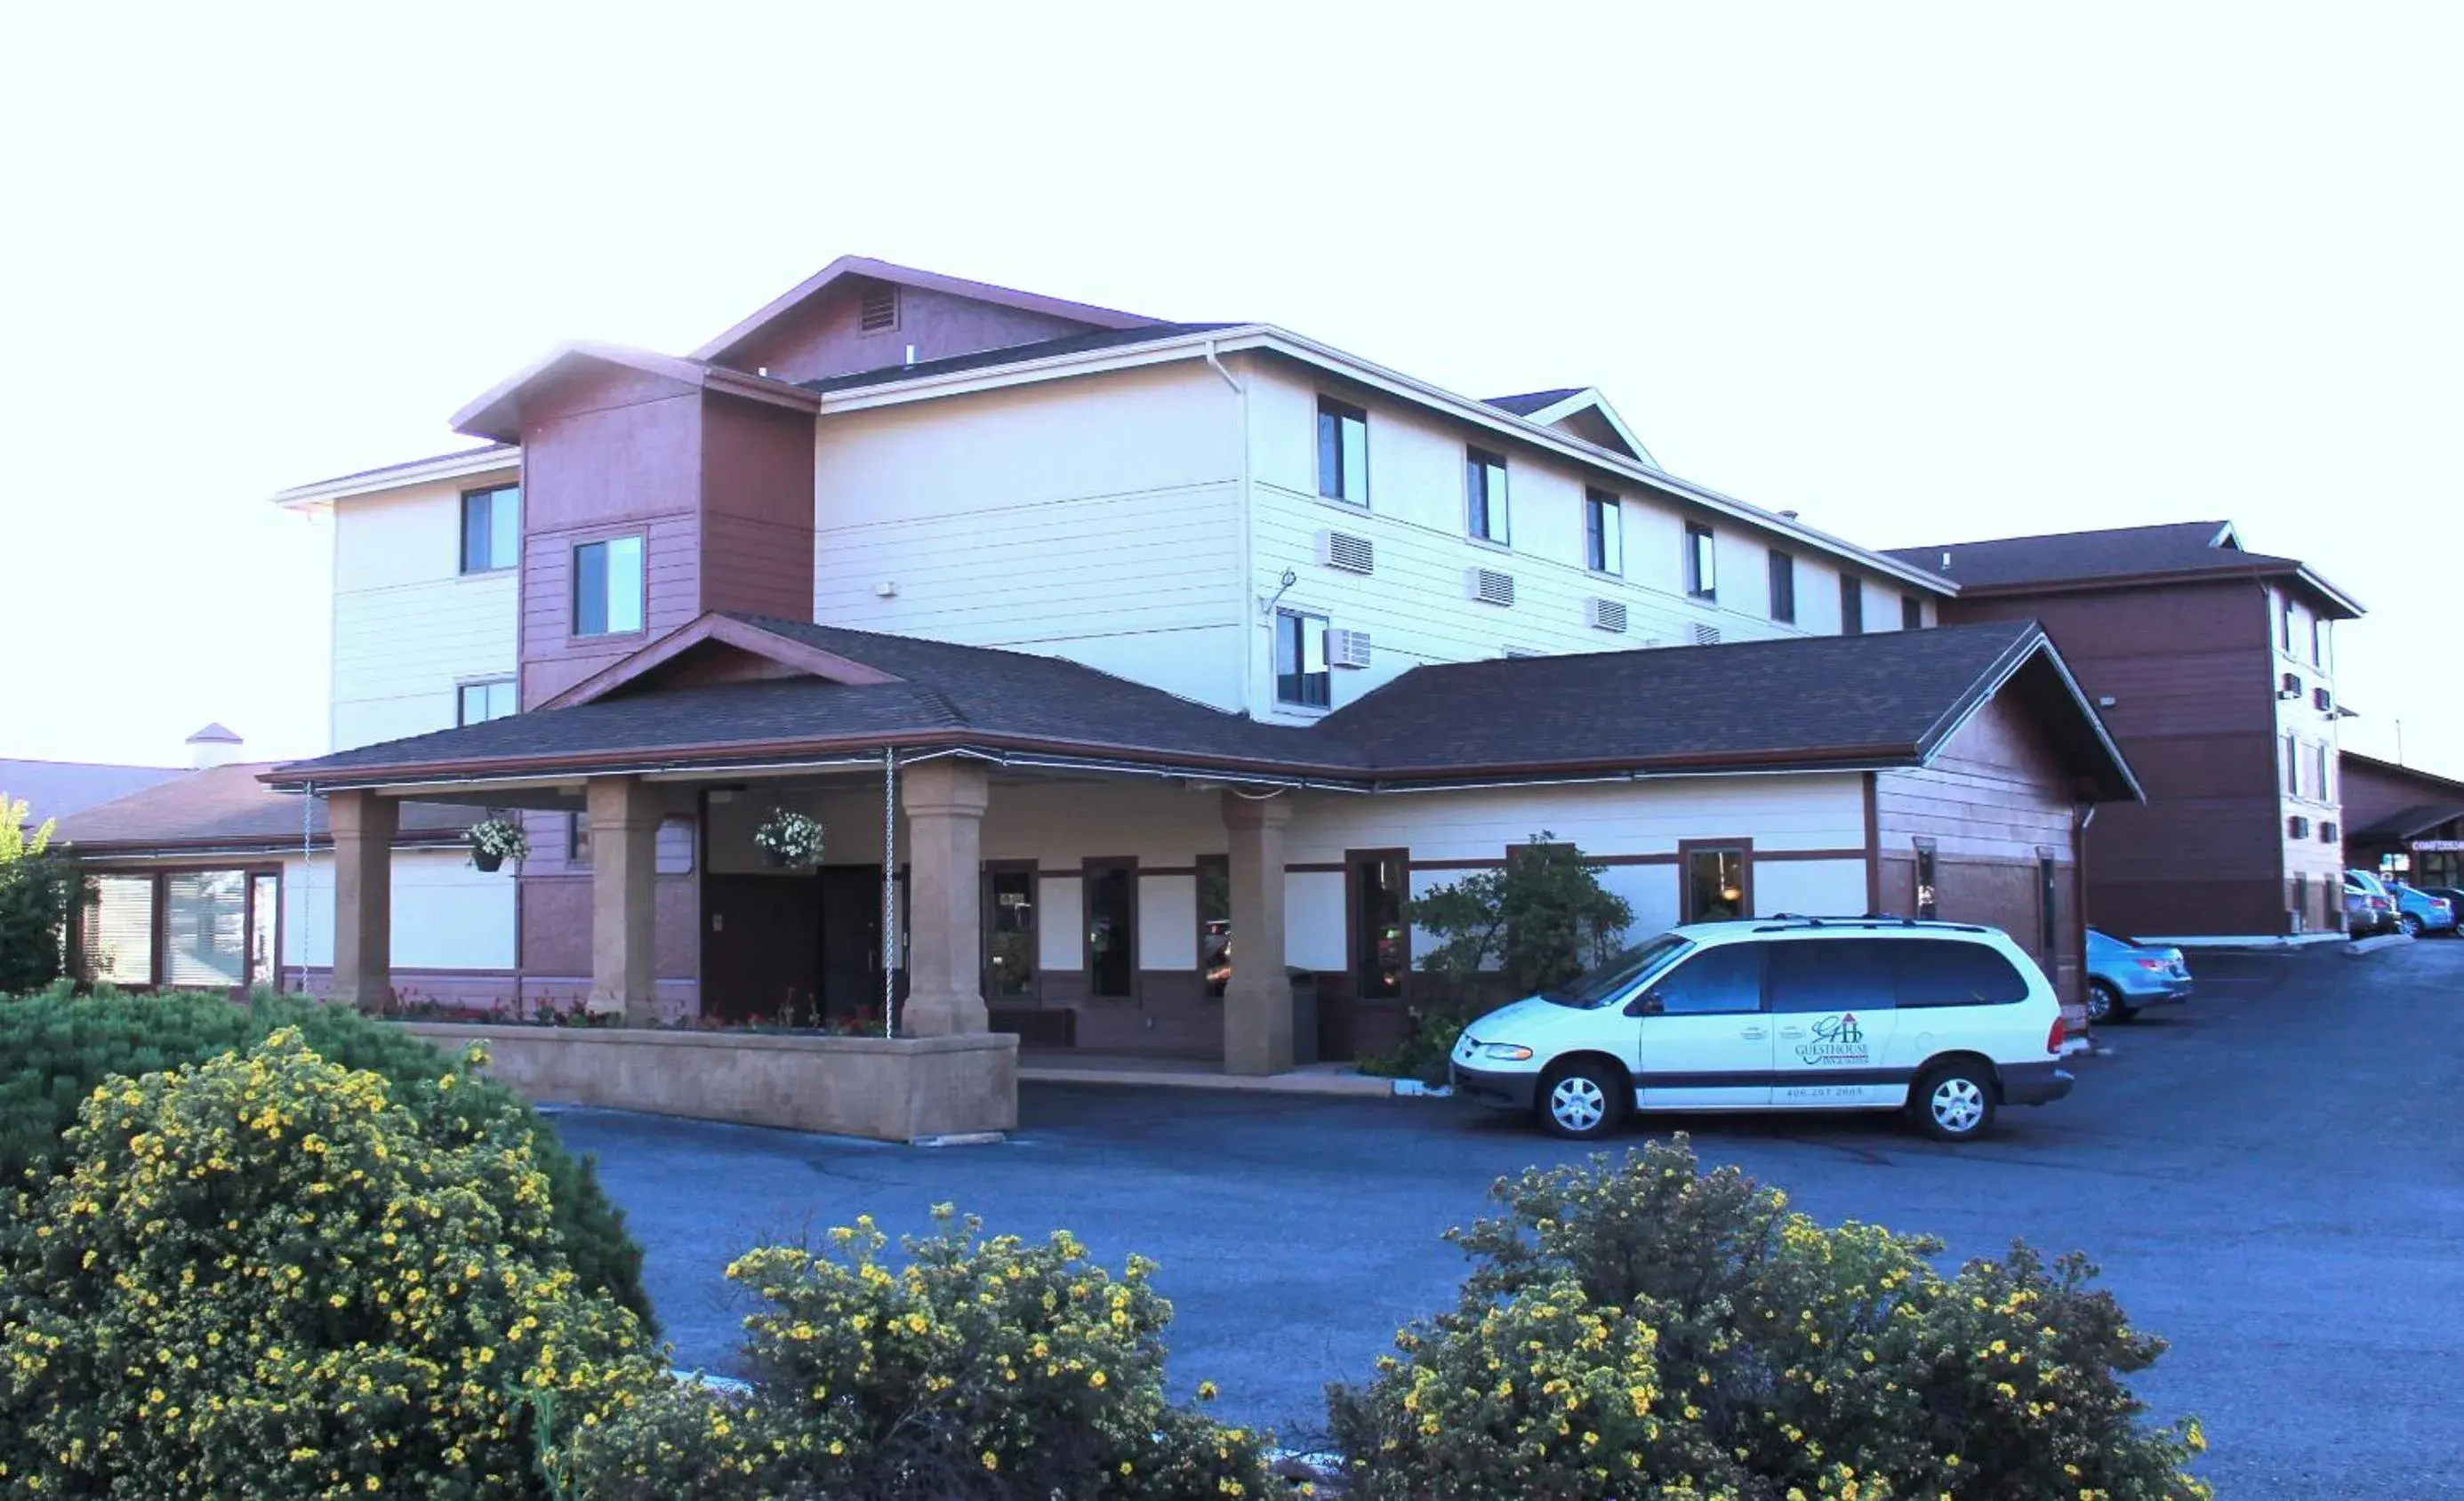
<point x="2370" y="907"/>
<point x="1946" y="1021"/>
<point x="2418" y="912"/>
<point x="2454" y="896"/>
<point x="2125" y="977"/>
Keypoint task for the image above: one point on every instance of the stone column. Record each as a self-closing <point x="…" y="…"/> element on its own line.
<point x="1258" y="1003"/>
<point x="624" y="814"/>
<point x="945" y="823"/>
<point x="363" y="826"/>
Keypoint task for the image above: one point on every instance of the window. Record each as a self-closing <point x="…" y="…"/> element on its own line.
<point x="607" y="587"/>
<point x="1009" y="923"/>
<point x="1715" y="884"/>
<point x="120" y="930"/>
<point x="1832" y="974"/>
<point x="481" y="702"/>
<point x="1215" y="922"/>
<point x="1484" y="496"/>
<point x="1911" y="613"/>
<point x="1111" y="901"/>
<point x="576" y="839"/>
<point x="2284" y="633"/>
<point x="1381" y="942"/>
<point x="1342" y="452"/>
<point x="492" y="528"/>
<point x="2292" y="768"/>
<point x="264" y="930"/>
<point x="1955" y="972"/>
<point x="1300" y="659"/>
<point x="1701" y="564"/>
<point x="1603" y="532"/>
<point x="1852" y="608"/>
<point x="1928" y="906"/>
<point x="1783" y="587"/>
<point x="1716" y="982"/>
<point x="2318" y="642"/>
<point x="2048" y="911"/>
<point x="2318" y="760"/>
<point x="205" y="927"/>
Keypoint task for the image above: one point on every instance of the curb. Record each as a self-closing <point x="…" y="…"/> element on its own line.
<point x="961" y="1138"/>
<point x="2371" y="945"/>
<point x="1414" y="1088"/>
<point x="1354" y="1085"/>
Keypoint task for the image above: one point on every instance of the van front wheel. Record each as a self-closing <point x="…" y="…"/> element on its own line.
<point x="1582" y="1102"/>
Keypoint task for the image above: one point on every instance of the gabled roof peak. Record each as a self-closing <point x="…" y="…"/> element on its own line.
<point x="865" y="267"/>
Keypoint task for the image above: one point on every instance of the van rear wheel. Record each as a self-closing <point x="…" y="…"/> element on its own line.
<point x="1582" y="1102"/>
<point x="1954" y="1102"/>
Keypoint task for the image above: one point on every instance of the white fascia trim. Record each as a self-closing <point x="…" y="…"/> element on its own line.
<point x="2043" y="645"/>
<point x="399" y="476"/>
<point x="1393" y="383"/>
<point x="1590" y="399"/>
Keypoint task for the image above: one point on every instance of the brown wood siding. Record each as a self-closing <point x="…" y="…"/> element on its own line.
<point x="2193" y="674"/>
<point x="756" y="497"/>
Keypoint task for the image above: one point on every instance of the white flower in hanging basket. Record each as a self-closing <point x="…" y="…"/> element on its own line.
<point x="493" y="841"/>
<point x="787" y="838"/>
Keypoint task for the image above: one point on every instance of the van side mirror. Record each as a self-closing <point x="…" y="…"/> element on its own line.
<point x="1645" y="1004"/>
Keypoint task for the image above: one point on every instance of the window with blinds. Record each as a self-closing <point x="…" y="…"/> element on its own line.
<point x="205" y="927"/>
<point x="120" y="931"/>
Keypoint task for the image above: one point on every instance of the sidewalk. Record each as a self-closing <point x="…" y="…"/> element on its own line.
<point x="1065" y="1066"/>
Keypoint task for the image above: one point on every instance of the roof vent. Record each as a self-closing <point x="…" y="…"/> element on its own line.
<point x="1606" y="615"/>
<point x="1707" y="635"/>
<point x="1490" y="586"/>
<point x="1346" y="649"/>
<point x="214" y="747"/>
<point x="1343" y="550"/>
<point x="879" y="309"/>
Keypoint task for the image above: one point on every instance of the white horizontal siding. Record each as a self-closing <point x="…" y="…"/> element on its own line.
<point x="445" y="914"/>
<point x="1097" y="519"/>
<point x="408" y="626"/>
<point x="1776" y="812"/>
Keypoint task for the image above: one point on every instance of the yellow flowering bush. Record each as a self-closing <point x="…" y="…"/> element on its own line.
<point x="1638" y="1327"/>
<point x="979" y="1367"/>
<point x="258" y="1277"/>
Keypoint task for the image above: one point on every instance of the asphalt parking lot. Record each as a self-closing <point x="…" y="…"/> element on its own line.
<point x="2272" y="1177"/>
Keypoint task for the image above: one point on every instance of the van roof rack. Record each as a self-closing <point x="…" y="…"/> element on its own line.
<point x="1784" y="921"/>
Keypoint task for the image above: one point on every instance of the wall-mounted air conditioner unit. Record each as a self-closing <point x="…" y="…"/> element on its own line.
<point x="2292" y="688"/>
<point x="2321" y="700"/>
<point x="1343" y="550"/>
<point x="1707" y="635"/>
<point x="2328" y="832"/>
<point x="1346" y="649"/>
<point x="2298" y="826"/>
<point x="1605" y="615"/>
<point x="1488" y="585"/>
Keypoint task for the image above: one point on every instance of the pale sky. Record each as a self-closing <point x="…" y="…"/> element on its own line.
<point x="1923" y="273"/>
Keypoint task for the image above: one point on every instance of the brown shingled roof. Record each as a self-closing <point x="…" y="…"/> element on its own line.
<point x="2169" y="550"/>
<point x="227" y="807"/>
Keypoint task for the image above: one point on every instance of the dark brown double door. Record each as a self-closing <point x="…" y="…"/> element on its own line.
<point x="792" y="949"/>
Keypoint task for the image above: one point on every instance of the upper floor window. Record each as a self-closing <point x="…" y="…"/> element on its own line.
<point x="1852" y="606"/>
<point x="1300" y="677"/>
<point x="1783" y="587"/>
<point x="1702" y="563"/>
<point x="2285" y="630"/>
<point x="2318" y="642"/>
<point x="608" y="586"/>
<point x="2292" y="766"/>
<point x="492" y="528"/>
<point x="1342" y="451"/>
<point x="1603" y="532"/>
<point x="481" y="702"/>
<point x="2320" y="762"/>
<point x="1484" y="496"/>
<point x="1911" y="613"/>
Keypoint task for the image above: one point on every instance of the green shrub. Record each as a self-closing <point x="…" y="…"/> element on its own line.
<point x="1538" y="920"/>
<point x="1637" y="1328"/>
<point x="260" y="1276"/>
<point x="1425" y="1049"/>
<point x="981" y="1368"/>
<point x="55" y="1048"/>
<point x="35" y="891"/>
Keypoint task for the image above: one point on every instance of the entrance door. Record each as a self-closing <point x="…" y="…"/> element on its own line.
<point x="1009" y="933"/>
<point x="1704" y="1042"/>
<point x="761" y="952"/>
<point x="850" y="939"/>
<point x="1112" y="931"/>
<point x="1834" y="1003"/>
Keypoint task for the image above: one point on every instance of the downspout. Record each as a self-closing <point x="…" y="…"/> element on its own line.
<point x="1248" y="528"/>
<point x="889" y="890"/>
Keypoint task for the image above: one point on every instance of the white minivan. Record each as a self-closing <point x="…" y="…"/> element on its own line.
<point x="1946" y="1021"/>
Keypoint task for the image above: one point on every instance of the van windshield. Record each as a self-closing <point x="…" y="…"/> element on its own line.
<point x="1608" y="982"/>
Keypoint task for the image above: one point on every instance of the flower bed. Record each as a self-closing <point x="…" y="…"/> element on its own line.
<point x="888" y="1088"/>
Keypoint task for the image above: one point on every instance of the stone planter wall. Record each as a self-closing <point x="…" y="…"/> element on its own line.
<point x="890" y="1089"/>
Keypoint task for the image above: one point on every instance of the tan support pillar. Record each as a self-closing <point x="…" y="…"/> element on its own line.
<point x="1258" y="1003"/>
<point x="624" y="815"/>
<point x="363" y="826"/>
<point x="945" y="823"/>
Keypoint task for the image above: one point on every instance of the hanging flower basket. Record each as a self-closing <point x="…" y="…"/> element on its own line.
<point x="788" y="839"/>
<point x="493" y="841"/>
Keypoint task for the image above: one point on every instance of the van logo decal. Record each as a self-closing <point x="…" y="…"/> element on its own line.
<point x="1838" y="1039"/>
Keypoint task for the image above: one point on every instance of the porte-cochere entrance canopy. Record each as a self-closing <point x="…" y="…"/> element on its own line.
<point x="910" y="749"/>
